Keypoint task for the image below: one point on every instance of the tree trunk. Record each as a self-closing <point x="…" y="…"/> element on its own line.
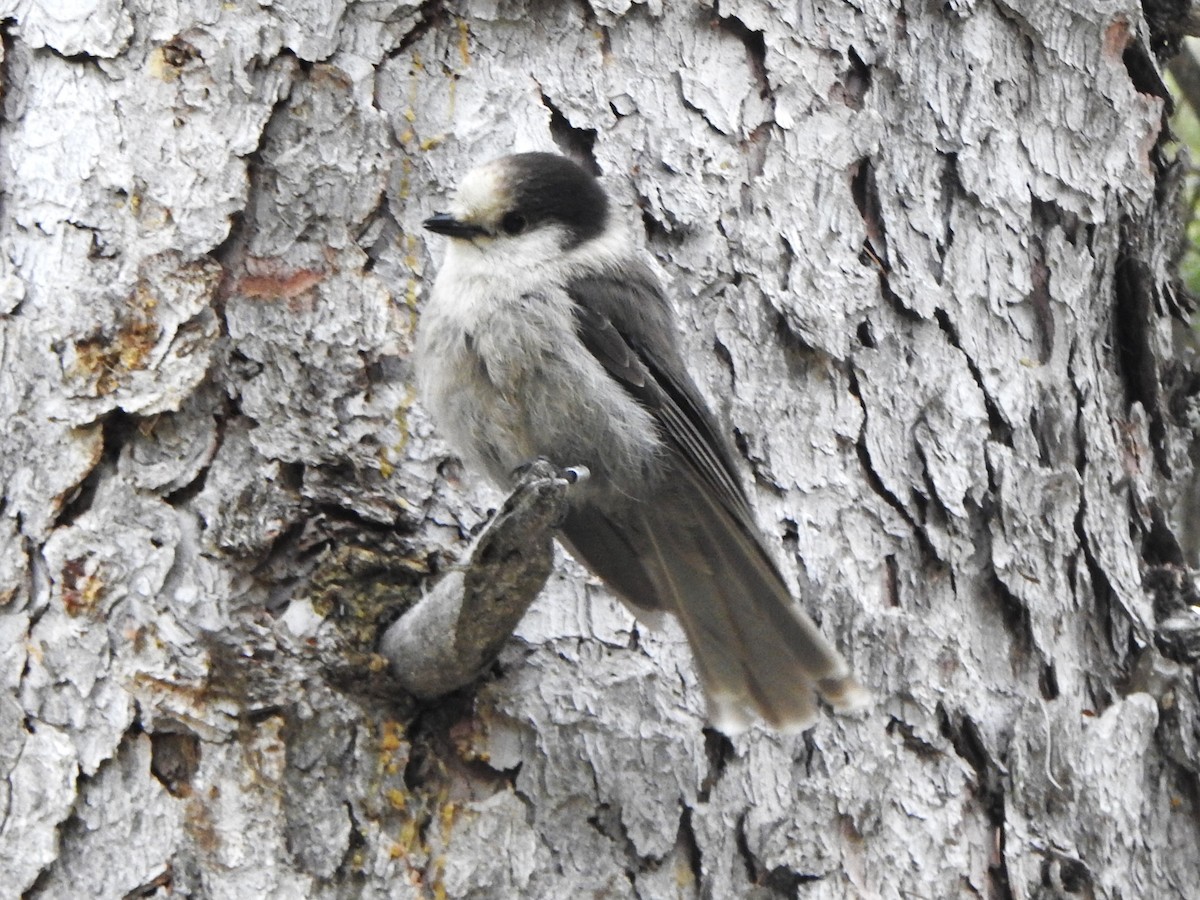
<point x="923" y="256"/>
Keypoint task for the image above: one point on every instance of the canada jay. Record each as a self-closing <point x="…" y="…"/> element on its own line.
<point x="545" y="336"/>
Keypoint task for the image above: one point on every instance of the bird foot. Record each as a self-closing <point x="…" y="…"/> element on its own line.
<point x="541" y="467"/>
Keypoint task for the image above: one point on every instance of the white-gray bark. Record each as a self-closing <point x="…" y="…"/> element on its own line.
<point x="922" y="254"/>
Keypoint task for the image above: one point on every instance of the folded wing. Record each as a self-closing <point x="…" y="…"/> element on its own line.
<point x="692" y="548"/>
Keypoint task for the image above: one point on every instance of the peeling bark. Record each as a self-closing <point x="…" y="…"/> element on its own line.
<point x="923" y="255"/>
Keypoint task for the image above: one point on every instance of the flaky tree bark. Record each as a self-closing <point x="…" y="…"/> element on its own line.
<point x="923" y="256"/>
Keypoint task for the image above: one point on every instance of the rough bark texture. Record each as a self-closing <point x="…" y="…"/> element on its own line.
<point x="922" y="253"/>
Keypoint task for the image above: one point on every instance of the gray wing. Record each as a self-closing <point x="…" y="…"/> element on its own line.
<point x="693" y="549"/>
<point x="626" y="324"/>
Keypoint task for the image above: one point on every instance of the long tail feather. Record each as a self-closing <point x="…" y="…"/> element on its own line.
<point x="758" y="654"/>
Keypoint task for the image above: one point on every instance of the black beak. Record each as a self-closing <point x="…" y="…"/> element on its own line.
<point x="444" y="223"/>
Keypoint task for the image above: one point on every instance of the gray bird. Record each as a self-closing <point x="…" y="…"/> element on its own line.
<point x="545" y="336"/>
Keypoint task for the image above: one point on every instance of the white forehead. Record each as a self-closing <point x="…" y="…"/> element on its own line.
<point x="482" y="194"/>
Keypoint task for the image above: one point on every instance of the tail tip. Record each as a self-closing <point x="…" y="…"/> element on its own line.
<point x="728" y="716"/>
<point x="845" y="694"/>
<point x="733" y="715"/>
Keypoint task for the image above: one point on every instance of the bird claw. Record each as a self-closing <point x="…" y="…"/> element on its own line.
<point x="540" y="478"/>
<point x="541" y="467"/>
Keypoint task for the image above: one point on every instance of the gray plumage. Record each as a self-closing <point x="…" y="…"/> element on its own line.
<point x="544" y="336"/>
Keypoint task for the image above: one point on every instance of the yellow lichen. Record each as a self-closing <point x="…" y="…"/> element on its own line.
<point x="439" y="874"/>
<point x="409" y="834"/>
<point x="386" y="469"/>
<point x="398" y="799"/>
<point x="392" y="739"/>
<point x="106" y="359"/>
<point x="158" y="67"/>
<point x="464" y="46"/>
<point x="449" y="814"/>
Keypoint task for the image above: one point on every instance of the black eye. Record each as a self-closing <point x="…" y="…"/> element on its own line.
<point x="513" y="223"/>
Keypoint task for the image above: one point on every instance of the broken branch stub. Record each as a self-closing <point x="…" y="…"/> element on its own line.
<point x="458" y="629"/>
